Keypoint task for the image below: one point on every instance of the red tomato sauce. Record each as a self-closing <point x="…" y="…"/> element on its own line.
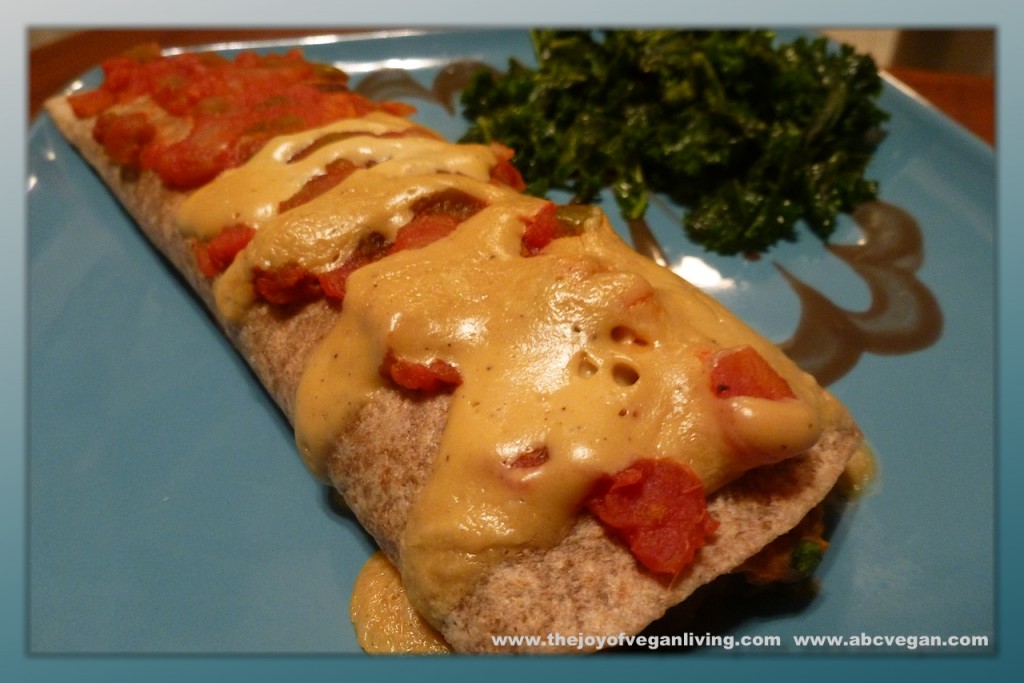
<point x="234" y="106"/>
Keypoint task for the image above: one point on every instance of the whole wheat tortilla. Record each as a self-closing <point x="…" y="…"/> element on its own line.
<point x="589" y="583"/>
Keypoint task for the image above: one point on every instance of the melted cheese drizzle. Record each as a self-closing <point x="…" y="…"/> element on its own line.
<point x="586" y="352"/>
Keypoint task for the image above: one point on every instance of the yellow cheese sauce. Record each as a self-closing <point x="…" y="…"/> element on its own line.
<point x="385" y="621"/>
<point x="861" y="473"/>
<point x="251" y="193"/>
<point x="587" y="351"/>
<point x="320" y="234"/>
<point x="574" y="362"/>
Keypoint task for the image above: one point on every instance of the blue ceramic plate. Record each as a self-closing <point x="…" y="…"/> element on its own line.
<point x="169" y="512"/>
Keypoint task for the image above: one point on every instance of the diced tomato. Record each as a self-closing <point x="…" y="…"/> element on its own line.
<point x="743" y="372"/>
<point x="658" y="507"/>
<point x="333" y="283"/>
<point x="91" y="102"/>
<point x="214" y="256"/>
<point x="434" y="377"/>
<point x="453" y="202"/>
<point x="124" y="136"/>
<point x="205" y="264"/>
<point x="504" y="173"/>
<point x="423" y="230"/>
<point x="543" y="228"/>
<point x="334" y="174"/>
<point x="285" y="286"/>
<point x="436" y="216"/>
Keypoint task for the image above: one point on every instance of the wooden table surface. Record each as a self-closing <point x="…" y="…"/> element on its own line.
<point x="967" y="99"/>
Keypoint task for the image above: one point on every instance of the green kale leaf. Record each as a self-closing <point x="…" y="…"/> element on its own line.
<point x="750" y="135"/>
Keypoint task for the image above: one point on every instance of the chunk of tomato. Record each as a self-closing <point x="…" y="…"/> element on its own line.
<point x="434" y="377"/>
<point x="744" y="372"/>
<point x="91" y="102"/>
<point x="504" y="173"/>
<point x="371" y="248"/>
<point x="658" y="507"/>
<point x="424" y="230"/>
<point x="543" y="228"/>
<point x="213" y="257"/>
<point x="288" y="285"/>
<point x="436" y="216"/>
<point x="334" y="174"/>
<point x="124" y="136"/>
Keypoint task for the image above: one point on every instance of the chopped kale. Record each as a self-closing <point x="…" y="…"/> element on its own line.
<point x="750" y="135"/>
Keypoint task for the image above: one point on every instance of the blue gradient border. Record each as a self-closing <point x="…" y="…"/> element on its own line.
<point x="863" y="14"/>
